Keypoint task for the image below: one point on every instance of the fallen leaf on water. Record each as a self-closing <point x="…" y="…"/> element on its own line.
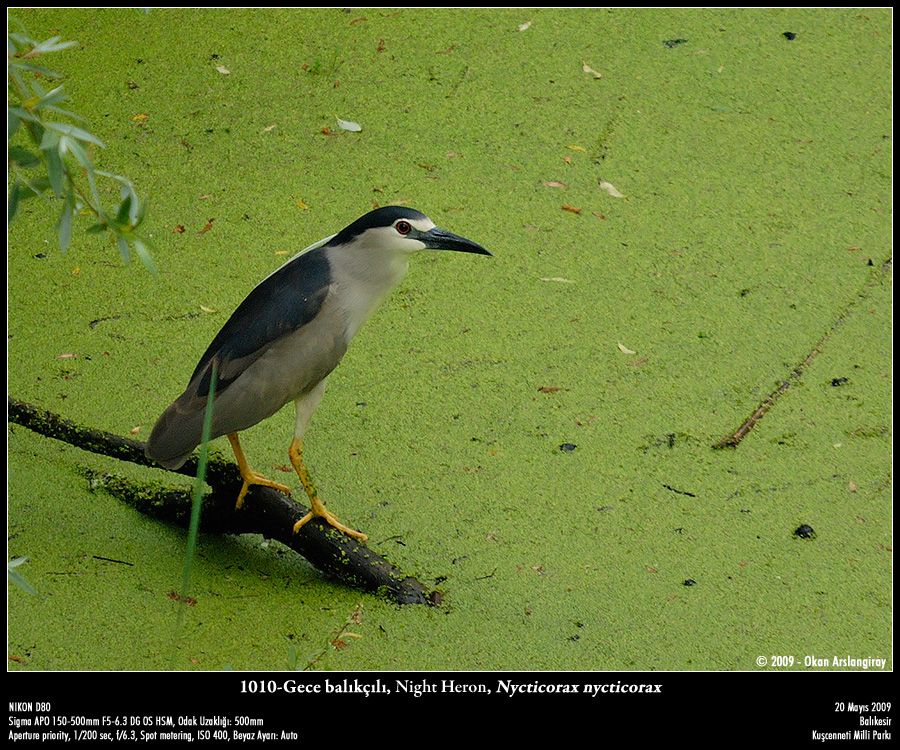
<point x="349" y="125"/>
<point x="223" y="70"/>
<point x="555" y="184"/>
<point x="557" y="279"/>
<point x="588" y="69"/>
<point x="207" y="227"/>
<point x="576" y="147"/>
<point x="610" y="188"/>
<point x="524" y="26"/>
<point x="625" y="350"/>
<point x="570" y="208"/>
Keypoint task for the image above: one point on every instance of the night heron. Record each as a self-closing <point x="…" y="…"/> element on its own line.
<point x="288" y="335"/>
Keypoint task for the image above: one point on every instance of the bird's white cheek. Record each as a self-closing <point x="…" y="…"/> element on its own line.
<point x="413" y="246"/>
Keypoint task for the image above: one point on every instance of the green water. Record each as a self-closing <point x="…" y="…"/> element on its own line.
<point x="755" y="174"/>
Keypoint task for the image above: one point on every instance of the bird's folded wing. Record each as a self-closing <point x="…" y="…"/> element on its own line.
<point x="281" y="304"/>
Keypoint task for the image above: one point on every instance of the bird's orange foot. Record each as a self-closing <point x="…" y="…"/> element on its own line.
<point x="331" y="520"/>
<point x="254" y="478"/>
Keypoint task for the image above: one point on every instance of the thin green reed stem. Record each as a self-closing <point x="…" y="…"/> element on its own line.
<point x="197" y="499"/>
<point x="196" y="503"/>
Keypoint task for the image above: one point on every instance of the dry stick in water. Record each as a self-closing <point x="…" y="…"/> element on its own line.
<point x="734" y="439"/>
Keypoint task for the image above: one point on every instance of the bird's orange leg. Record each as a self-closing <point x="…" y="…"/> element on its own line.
<point x="318" y="507"/>
<point x="248" y="475"/>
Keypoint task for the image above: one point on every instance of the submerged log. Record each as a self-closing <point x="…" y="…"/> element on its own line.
<point x="266" y="511"/>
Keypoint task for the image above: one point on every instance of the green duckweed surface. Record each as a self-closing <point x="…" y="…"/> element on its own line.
<point x="754" y="218"/>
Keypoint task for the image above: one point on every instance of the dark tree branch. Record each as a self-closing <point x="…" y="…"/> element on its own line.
<point x="266" y="511"/>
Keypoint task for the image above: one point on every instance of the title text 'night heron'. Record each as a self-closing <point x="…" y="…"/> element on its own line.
<point x="288" y="335"/>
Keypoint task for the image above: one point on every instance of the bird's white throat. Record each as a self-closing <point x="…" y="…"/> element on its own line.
<point x="364" y="277"/>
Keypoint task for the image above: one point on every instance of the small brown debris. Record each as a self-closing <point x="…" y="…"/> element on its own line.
<point x="176" y="597"/>
<point x="549" y="389"/>
<point x="570" y="208"/>
<point x="207" y="227"/>
<point x="179" y="229"/>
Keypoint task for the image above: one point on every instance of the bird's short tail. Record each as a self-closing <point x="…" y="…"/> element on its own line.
<point x="175" y="435"/>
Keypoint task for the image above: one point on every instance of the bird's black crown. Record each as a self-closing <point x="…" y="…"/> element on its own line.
<point x="380" y="217"/>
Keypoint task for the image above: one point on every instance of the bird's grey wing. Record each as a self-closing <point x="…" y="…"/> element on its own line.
<point x="281" y="304"/>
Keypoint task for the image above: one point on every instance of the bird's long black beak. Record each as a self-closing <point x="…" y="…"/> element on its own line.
<point x="441" y="239"/>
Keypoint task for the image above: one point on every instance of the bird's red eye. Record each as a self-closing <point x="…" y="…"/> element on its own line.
<point x="404" y="227"/>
